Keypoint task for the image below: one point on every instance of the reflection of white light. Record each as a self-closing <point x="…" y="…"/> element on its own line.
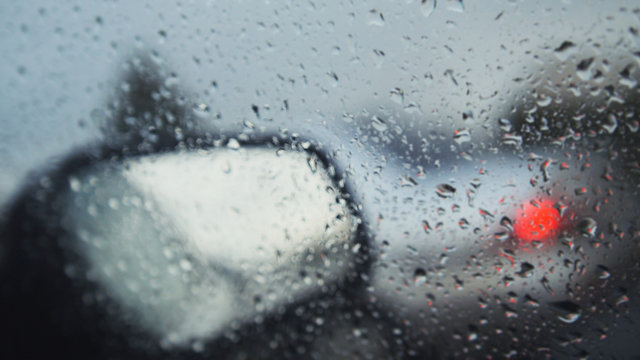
<point x="240" y="206"/>
<point x="191" y="241"/>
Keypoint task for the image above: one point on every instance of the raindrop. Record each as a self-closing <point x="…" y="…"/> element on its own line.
<point x="74" y="184"/>
<point x="505" y="124"/>
<point x="459" y="284"/>
<point x="486" y="214"/>
<point x="462" y="135"/>
<point x="256" y="110"/>
<point x="483" y="303"/>
<point x="567" y="311"/>
<point x="426" y="226"/>
<point x="580" y="191"/>
<point x="427" y="7"/>
<point x="587" y="227"/>
<point x="584" y="67"/>
<point x="546" y="285"/>
<point x="510" y="313"/>
<point x="464" y="223"/>
<point x="512" y="140"/>
<point x="473" y="333"/>
<point x="544" y="101"/>
<point x="544" y="167"/>
<point x="201" y="110"/>
<point x="163" y="36"/>
<point x="379" y="124"/>
<point x="603" y="272"/>
<point x="408" y="181"/>
<point x="334" y="77"/>
<point x="525" y="270"/>
<point x="564" y="46"/>
<point x="622" y="299"/>
<point x="584" y="64"/>
<point x="445" y="191"/>
<point x="348" y="118"/>
<point x="397" y="95"/>
<point x="501" y="236"/>
<point x="610" y="124"/>
<point x="531" y="301"/>
<point x="475" y="183"/>
<point x="376" y="18"/>
<point x="566" y="49"/>
<point x="506" y="222"/>
<point x="455" y="5"/>
<point x="248" y="124"/>
<point x="419" y="276"/>
<point x="312" y="162"/>
<point x="233" y="144"/>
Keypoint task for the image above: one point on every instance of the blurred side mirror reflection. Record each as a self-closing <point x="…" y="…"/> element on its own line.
<point x="181" y="246"/>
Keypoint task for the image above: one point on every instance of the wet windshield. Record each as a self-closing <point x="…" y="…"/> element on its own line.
<point x="415" y="179"/>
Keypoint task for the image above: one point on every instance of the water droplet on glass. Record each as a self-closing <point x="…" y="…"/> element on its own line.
<point x="74" y="184"/>
<point x="473" y="333"/>
<point x="376" y="18"/>
<point x="445" y="191"/>
<point x="544" y="100"/>
<point x="397" y="95"/>
<point x="566" y="311"/>
<point x="505" y="124"/>
<point x="510" y="313"/>
<point x="407" y="181"/>
<point x="587" y="227"/>
<point x="512" y="140"/>
<point x="633" y="125"/>
<point x="459" y="284"/>
<point x="202" y="111"/>
<point x="546" y="285"/>
<point x="525" y="270"/>
<point x="455" y="5"/>
<point x="348" y="118"/>
<point x="622" y="299"/>
<point x="461" y="135"/>
<point x="427" y="7"/>
<point x="566" y="45"/>
<point x="531" y="301"/>
<point x="233" y="144"/>
<point x="426" y="226"/>
<point x="603" y="272"/>
<point x="506" y="223"/>
<point x="419" y="276"/>
<point x="162" y="36"/>
<point x="584" y="69"/>
<point x="501" y="236"/>
<point x="610" y="124"/>
<point x="312" y="162"/>
<point x="379" y="124"/>
<point x="334" y="77"/>
<point x="580" y="191"/>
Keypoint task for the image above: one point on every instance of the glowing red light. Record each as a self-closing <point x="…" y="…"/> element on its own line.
<point x="538" y="220"/>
